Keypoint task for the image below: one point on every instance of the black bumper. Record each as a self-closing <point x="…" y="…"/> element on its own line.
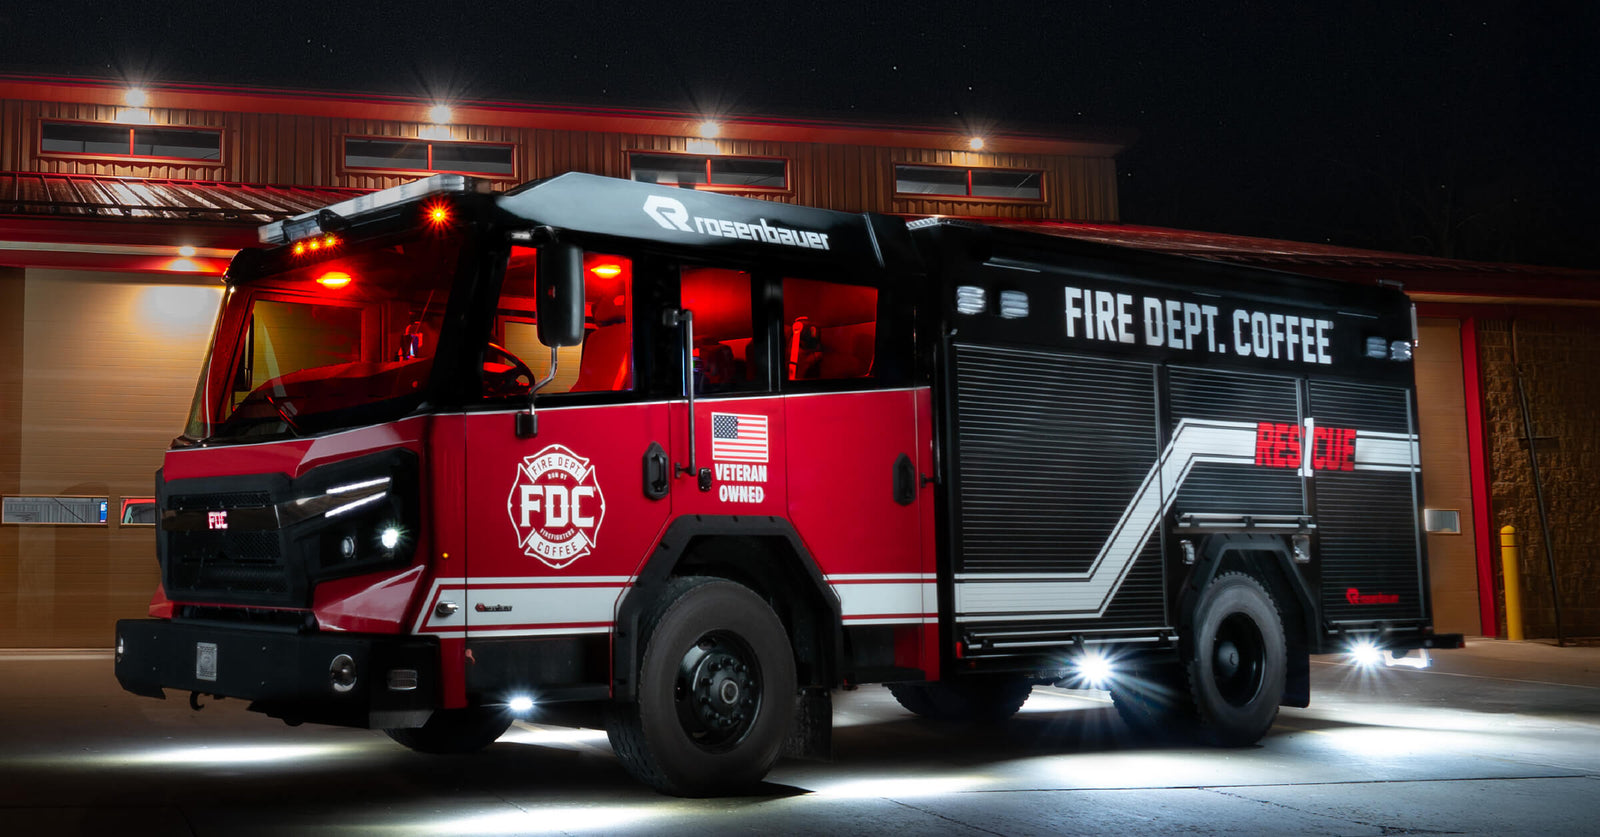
<point x="284" y="674"/>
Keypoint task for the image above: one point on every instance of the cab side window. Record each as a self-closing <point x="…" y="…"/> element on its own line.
<point x="515" y="359"/>
<point x="830" y="330"/>
<point x="727" y="358"/>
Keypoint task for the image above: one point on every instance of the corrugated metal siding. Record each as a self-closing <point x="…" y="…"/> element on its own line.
<point x="1234" y="396"/>
<point x="308" y="151"/>
<point x="1369" y="532"/>
<point x="1051" y="449"/>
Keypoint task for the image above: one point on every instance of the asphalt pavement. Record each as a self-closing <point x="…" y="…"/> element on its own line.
<point x="1498" y="738"/>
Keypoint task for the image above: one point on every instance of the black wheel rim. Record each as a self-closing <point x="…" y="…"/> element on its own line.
<point x="1238" y="659"/>
<point x="718" y="691"/>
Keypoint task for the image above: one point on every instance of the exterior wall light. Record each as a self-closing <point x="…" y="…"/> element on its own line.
<point x="439" y="114"/>
<point x="976" y="143"/>
<point x="135" y="97"/>
<point x="709" y="129"/>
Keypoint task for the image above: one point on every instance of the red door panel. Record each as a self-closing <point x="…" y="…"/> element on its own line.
<point x="741" y="440"/>
<point x="557" y="524"/>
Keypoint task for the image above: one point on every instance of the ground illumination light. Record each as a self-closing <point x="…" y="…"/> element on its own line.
<point x="1094" y="669"/>
<point x="439" y="114"/>
<point x="520" y="704"/>
<point x="135" y="97"/>
<point x="1365" y="654"/>
<point x="709" y="129"/>
<point x="390" y="538"/>
<point x="186" y="251"/>
<point x="976" y="143"/>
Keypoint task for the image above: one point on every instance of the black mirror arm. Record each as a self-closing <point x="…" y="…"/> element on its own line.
<point x="685" y="318"/>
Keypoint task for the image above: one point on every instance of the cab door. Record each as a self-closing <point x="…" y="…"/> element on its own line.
<point x="737" y="423"/>
<point x="560" y="520"/>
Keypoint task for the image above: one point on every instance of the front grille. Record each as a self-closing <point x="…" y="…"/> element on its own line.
<point x="244" y="562"/>
<point x="227" y="540"/>
<point x="230" y="500"/>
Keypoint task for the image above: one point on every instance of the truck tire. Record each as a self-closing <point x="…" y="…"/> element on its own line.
<point x="989" y="700"/>
<point x="455" y="730"/>
<point x="1238" y="661"/>
<point x="1154" y="701"/>
<point x="716" y="691"/>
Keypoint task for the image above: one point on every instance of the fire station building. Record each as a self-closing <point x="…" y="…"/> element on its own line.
<point x="119" y="210"/>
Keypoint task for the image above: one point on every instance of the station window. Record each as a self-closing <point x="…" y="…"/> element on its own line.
<point x="603" y="362"/>
<point x="54" y="511"/>
<point x="131" y="140"/>
<point x="830" y="329"/>
<point x="424" y="155"/>
<point x="714" y="171"/>
<point x="950" y="181"/>
<point x="139" y="511"/>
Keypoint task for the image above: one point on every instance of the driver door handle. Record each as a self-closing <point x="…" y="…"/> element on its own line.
<point x="657" y="473"/>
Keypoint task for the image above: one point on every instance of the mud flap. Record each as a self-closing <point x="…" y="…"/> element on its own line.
<point x="811" y="733"/>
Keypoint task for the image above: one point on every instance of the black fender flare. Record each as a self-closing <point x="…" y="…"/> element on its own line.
<point x="663" y="564"/>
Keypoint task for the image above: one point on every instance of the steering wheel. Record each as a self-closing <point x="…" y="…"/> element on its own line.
<point x="504" y="373"/>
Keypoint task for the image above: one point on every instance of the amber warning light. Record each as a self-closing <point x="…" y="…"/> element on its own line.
<point x="316" y="244"/>
<point x="437" y="213"/>
<point x="334" y="279"/>
<point x="608" y="270"/>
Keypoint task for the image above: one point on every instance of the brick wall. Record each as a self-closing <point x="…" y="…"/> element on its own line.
<point x="1560" y="364"/>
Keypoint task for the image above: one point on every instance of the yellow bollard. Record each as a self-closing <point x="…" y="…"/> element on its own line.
<point x="1508" y="569"/>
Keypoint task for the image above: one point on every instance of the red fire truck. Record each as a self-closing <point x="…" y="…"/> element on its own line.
<point x="695" y="460"/>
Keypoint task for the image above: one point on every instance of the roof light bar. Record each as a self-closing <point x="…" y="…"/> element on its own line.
<point x="308" y="224"/>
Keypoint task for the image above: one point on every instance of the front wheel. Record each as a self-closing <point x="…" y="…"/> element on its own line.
<point x="1238" y="660"/>
<point x="716" y="692"/>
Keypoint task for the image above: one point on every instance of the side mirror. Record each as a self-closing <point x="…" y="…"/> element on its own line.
<point x="560" y="294"/>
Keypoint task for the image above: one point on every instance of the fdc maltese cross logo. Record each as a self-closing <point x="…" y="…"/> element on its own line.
<point x="556" y="506"/>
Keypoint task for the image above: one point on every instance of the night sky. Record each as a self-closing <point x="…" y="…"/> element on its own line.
<point x="1462" y="129"/>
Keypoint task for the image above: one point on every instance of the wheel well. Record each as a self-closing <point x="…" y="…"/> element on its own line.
<point x="765" y="555"/>
<point x="770" y="566"/>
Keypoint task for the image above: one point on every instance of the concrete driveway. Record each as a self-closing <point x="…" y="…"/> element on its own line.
<point x="1499" y="738"/>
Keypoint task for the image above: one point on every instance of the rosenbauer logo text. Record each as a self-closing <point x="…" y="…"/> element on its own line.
<point x="671" y="214"/>
<point x="556" y="506"/>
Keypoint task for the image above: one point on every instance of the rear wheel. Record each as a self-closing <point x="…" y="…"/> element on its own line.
<point x="455" y="730"/>
<point x="716" y="692"/>
<point x="986" y="700"/>
<point x="1238" y="661"/>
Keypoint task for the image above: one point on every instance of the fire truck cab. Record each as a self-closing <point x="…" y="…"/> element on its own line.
<point x="457" y="457"/>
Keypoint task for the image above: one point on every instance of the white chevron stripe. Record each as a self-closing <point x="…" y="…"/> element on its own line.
<point x="1089" y="593"/>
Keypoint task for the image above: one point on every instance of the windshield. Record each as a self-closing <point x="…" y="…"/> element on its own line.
<point x="345" y="338"/>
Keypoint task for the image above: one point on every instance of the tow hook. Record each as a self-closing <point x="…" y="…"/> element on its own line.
<point x="194" y="700"/>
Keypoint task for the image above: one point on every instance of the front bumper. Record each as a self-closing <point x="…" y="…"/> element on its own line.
<point x="384" y="681"/>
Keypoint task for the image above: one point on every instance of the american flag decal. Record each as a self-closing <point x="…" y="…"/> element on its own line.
<point x="738" y="438"/>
